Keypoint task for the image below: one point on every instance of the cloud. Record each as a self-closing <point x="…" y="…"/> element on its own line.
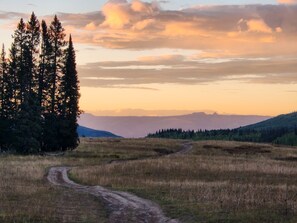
<point x="246" y="30"/>
<point x="259" y="30"/>
<point x="287" y="1"/>
<point x="254" y="25"/>
<point x="120" y="13"/>
<point x="177" y="69"/>
<point x="143" y="112"/>
<point x="164" y="59"/>
<point x="12" y="15"/>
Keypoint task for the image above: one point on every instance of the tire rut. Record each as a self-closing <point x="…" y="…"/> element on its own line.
<point x="122" y="206"/>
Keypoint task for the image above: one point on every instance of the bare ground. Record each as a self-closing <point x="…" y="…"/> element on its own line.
<point x="122" y="206"/>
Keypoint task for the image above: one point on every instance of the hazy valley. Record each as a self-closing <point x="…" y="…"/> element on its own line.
<point x="137" y="126"/>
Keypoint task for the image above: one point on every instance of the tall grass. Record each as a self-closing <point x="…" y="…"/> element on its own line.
<point x="26" y="196"/>
<point x="218" y="182"/>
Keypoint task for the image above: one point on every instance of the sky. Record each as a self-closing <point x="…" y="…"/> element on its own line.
<point x="172" y="57"/>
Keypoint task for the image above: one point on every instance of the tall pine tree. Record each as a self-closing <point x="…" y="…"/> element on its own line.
<point x="58" y="43"/>
<point x="28" y="120"/>
<point x="45" y="69"/>
<point x="39" y="90"/>
<point x="55" y="56"/>
<point x="69" y="108"/>
<point x="2" y="95"/>
<point x="6" y="114"/>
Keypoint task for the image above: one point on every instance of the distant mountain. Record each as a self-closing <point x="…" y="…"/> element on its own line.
<point x="281" y="121"/>
<point x="87" y="132"/>
<point x="135" y="127"/>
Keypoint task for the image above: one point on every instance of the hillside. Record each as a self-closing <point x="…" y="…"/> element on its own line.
<point x="87" y="132"/>
<point x="136" y="126"/>
<point x="281" y="121"/>
<point x="279" y="130"/>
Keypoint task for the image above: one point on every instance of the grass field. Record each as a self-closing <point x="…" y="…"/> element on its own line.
<point x="215" y="182"/>
<point x="26" y="196"/>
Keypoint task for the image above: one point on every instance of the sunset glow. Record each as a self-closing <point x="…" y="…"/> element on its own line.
<point x="163" y="58"/>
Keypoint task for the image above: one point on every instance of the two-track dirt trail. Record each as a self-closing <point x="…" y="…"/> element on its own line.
<point x="122" y="206"/>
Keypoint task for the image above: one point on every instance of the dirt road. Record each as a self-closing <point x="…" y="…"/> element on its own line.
<point x="123" y="207"/>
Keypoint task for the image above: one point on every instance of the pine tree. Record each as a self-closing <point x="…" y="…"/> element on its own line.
<point x="33" y="41"/>
<point x="14" y="85"/>
<point x="6" y="87"/>
<point x="21" y="51"/>
<point x="45" y="68"/>
<point x="6" y="103"/>
<point x="2" y="74"/>
<point x="27" y="134"/>
<point x="57" y="36"/>
<point x="39" y="91"/>
<point x="54" y="55"/>
<point x="27" y="128"/>
<point x="70" y="97"/>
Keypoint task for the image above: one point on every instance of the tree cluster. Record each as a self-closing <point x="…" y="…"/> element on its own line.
<point x="39" y="90"/>
<point x="278" y="135"/>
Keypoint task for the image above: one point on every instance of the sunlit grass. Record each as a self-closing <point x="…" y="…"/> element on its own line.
<point x="26" y="196"/>
<point x="217" y="182"/>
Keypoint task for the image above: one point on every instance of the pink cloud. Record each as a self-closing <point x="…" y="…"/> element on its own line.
<point x="287" y="1"/>
<point x="120" y="13"/>
<point x="246" y="30"/>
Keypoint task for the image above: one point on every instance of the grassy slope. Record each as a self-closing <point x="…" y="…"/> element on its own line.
<point x="287" y="120"/>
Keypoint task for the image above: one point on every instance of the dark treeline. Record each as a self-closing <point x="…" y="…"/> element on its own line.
<point x="282" y="135"/>
<point x="39" y="90"/>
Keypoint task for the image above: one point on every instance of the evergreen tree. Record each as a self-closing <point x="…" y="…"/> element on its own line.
<point x="69" y="108"/>
<point x="14" y="85"/>
<point x="57" y="36"/>
<point x="33" y="38"/>
<point x="45" y="68"/>
<point x="2" y="74"/>
<point x="54" y="57"/>
<point x="39" y="91"/>
<point x="21" y="61"/>
<point x="28" y="129"/>
<point x="6" y="103"/>
<point x="27" y="121"/>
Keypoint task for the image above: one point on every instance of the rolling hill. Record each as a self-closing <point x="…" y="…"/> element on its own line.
<point x="279" y="130"/>
<point x="141" y="126"/>
<point x="87" y="132"/>
<point x="281" y="121"/>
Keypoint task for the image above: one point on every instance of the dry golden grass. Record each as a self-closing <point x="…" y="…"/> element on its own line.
<point x="26" y="196"/>
<point x="217" y="182"/>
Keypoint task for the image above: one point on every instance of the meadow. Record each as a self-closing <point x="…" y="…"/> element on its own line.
<point x="214" y="182"/>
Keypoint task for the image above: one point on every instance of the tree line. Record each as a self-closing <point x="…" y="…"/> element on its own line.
<point x="39" y="90"/>
<point x="279" y="135"/>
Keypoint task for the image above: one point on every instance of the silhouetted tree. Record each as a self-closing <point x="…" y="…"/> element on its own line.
<point x="39" y="90"/>
<point x="69" y="93"/>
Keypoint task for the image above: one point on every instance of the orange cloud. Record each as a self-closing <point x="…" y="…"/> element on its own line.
<point x="258" y="25"/>
<point x="91" y="26"/>
<point x="241" y="30"/>
<point x="120" y="13"/>
<point x="287" y="1"/>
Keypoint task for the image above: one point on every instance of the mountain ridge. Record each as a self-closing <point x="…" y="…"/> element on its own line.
<point x="141" y="126"/>
<point x="88" y="132"/>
